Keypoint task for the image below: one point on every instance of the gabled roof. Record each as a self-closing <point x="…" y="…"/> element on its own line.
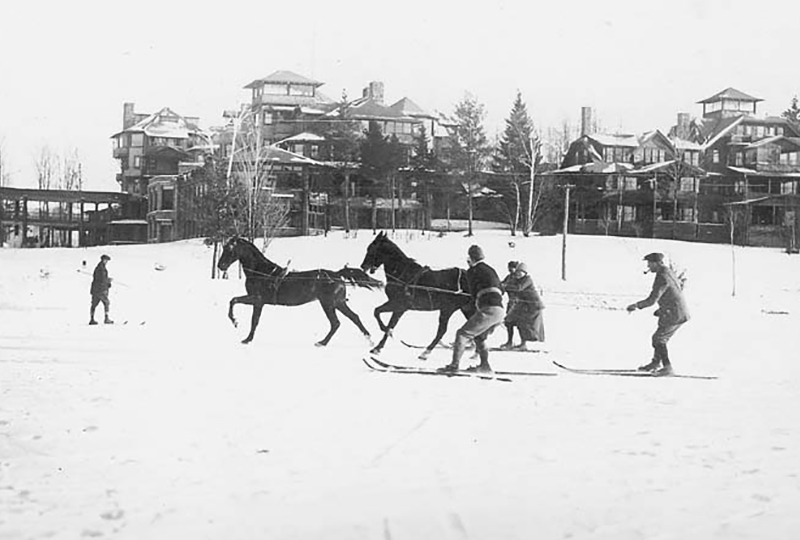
<point x="283" y="77"/>
<point x="406" y="107"/>
<point x="719" y="129"/>
<point x="732" y="94"/>
<point x="164" y="123"/>
<point x="655" y="135"/>
<point x="791" y="141"/>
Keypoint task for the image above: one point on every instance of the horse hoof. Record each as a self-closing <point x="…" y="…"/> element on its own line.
<point x="375" y="350"/>
<point x="425" y="354"/>
<point x="246" y="341"/>
<point x="320" y="344"/>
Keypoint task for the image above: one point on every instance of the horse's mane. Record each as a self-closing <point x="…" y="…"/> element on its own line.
<point x="399" y="251"/>
<point x="262" y="259"/>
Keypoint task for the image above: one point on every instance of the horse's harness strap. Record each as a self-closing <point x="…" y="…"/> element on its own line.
<point x="412" y="283"/>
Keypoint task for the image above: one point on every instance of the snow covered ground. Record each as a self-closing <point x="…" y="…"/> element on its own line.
<point x="173" y="429"/>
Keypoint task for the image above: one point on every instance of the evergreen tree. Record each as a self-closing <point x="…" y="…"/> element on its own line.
<point x="470" y="148"/>
<point x="793" y="112"/>
<point x="381" y="156"/>
<point x="512" y="159"/>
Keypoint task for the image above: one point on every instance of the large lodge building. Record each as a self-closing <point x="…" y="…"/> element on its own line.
<point x="730" y="175"/>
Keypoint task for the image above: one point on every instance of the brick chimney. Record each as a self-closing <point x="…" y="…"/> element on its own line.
<point x="682" y="128"/>
<point x="587" y="122"/>
<point x="128" y="116"/>
<point x="374" y="91"/>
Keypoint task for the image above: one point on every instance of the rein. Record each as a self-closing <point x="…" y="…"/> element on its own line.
<point x="408" y="285"/>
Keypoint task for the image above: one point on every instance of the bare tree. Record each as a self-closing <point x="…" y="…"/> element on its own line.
<point x="46" y="163"/>
<point x="251" y="166"/>
<point x="71" y="171"/>
<point x="5" y="174"/>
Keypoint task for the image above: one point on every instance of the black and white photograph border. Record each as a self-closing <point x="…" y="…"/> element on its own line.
<point x="198" y="339"/>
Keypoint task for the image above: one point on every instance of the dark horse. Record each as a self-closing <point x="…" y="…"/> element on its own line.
<point x="268" y="283"/>
<point x="413" y="287"/>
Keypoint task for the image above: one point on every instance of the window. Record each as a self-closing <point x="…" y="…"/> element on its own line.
<point x="301" y="90"/>
<point x="738" y="159"/>
<point x="685" y="214"/>
<point x="168" y="198"/>
<point x="789" y="188"/>
<point x="276" y="89"/>
<point x="715" y="156"/>
<point x="688" y="184"/>
<point x="137" y="139"/>
<point x="137" y="162"/>
<point x="631" y="183"/>
<point x="268" y="118"/>
<point x="759" y="131"/>
<point x="608" y="154"/>
<point x="779" y="130"/>
<point x="628" y="213"/>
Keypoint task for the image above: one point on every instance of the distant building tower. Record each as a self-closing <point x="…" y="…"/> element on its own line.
<point x="730" y="102"/>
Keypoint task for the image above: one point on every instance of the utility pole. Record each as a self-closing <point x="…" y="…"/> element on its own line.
<point x="567" y="188"/>
<point x="655" y="187"/>
<point x="534" y="153"/>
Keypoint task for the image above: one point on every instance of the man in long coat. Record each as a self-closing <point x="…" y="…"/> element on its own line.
<point x="672" y="312"/>
<point x="99" y="290"/>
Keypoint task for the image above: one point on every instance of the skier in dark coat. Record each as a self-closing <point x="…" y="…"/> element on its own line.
<point x="484" y="287"/>
<point x="525" y="308"/>
<point x="672" y="312"/>
<point x="99" y="290"/>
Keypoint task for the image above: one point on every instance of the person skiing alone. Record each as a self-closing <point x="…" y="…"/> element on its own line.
<point x="484" y="287"/>
<point x="99" y="290"/>
<point x="672" y="312"/>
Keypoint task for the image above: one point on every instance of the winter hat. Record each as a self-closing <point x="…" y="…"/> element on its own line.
<point x="522" y="267"/>
<point x="512" y="265"/>
<point x="475" y="252"/>
<point x="105" y="257"/>
<point x="654" y="257"/>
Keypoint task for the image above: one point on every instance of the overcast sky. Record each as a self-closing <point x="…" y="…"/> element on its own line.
<point x="67" y="67"/>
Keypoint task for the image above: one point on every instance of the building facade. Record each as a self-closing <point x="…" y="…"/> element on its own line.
<point x="728" y="174"/>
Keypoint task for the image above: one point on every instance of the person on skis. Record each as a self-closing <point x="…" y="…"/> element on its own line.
<point x="99" y="290"/>
<point x="672" y="312"/>
<point x="525" y="307"/>
<point x="484" y="287"/>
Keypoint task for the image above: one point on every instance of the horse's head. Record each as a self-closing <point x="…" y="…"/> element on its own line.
<point x="376" y="253"/>
<point x="230" y="253"/>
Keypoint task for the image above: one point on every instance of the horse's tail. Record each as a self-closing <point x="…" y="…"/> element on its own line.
<point x="356" y="276"/>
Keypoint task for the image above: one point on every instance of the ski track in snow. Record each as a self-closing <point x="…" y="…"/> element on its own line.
<point x="173" y="429"/>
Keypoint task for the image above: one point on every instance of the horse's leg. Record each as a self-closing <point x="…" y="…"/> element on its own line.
<point x="246" y="299"/>
<point x="444" y="319"/>
<point x="330" y="312"/>
<point x="388" y="332"/>
<point x="387" y="307"/>
<point x="353" y="316"/>
<point x="257" y="307"/>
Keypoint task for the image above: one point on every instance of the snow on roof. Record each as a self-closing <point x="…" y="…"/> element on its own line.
<point x="605" y="139"/>
<point x="164" y="123"/>
<point x="302" y="137"/>
<point x="683" y="144"/>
